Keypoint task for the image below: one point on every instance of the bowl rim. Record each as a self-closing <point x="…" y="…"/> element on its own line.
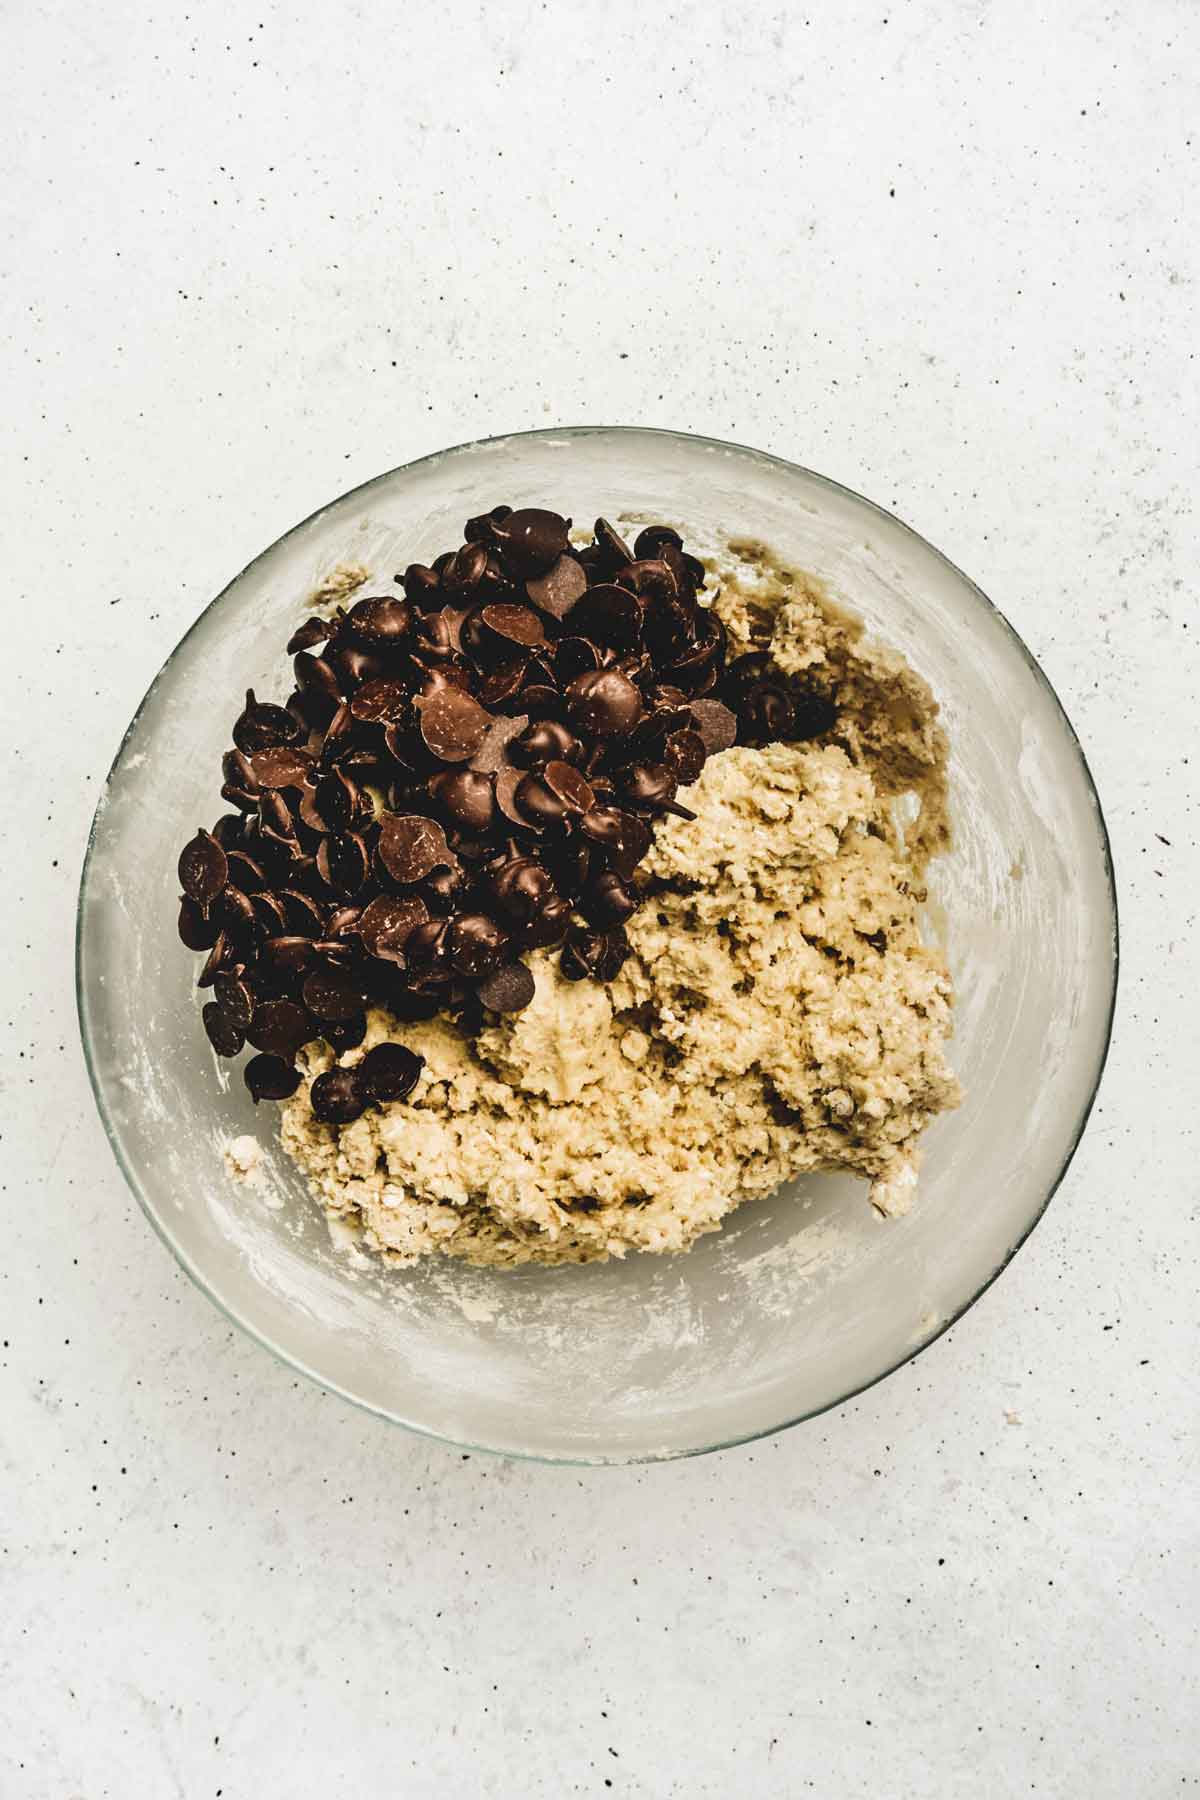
<point x="300" y="1367"/>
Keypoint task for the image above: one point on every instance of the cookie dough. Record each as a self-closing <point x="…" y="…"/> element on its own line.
<point x="779" y="1012"/>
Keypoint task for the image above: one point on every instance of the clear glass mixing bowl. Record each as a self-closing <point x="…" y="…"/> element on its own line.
<point x="804" y="1298"/>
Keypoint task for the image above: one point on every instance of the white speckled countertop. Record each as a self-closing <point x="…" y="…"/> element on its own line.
<point x="939" y="249"/>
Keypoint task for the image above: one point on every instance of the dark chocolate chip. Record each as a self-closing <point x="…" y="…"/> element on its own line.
<point x="261" y="725"/>
<point x="604" y="703"/>
<point x="610" y="900"/>
<point x="345" y="1034"/>
<point x="389" y="1072"/>
<point x="608" y="615"/>
<point x="203" y="869"/>
<point x="814" y="714"/>
<point x="559" y="588"/>
<point x="522" y="887"/>
<point x="651" y="538"/>
<point x="494" y="752"/>
<point x="386" y="923"/>
<point x="379" y="623"/>
<point x="508" y="989"/>
<point x="411" y="846"/>
<point x="475" y="944"/>
<point x="716" y="724"/>
<point x="236" y="1000"/>
<point x="614" y="552"/>
<point x="224" y="1034"/>
<point x="332" y="993"/>
<point x="765" y="714"/>
<point x="270" y="1078"/>
<point x="313" y="631"/>
<point x="304" y="915"/>
<point x="280" y="1026"/>
<point x="465" y="797"/>
<point x="344" y="862"/>
<point x="281" y="766"/>
<point x="336" y="1098"/>
<point x="420" y="584"/>
<point x="380" y="701"/>
<point x="568" y="785"/>
<point x="219" y="957"/>
<point x="595" y="954"/>
<point x="530" y="540"/>
<point x="685" y="755"/>
<point x="453" y="724"/>
<point x="287" y="955"/>
<point x="546" y="741"/>
<point x="195" y="930"/>
<point x="336" y="801"/>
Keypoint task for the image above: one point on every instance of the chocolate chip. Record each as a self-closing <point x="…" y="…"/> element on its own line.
<point x="651" y="538"/>
<point x="530" y="540"/>
<point x="203" y="869"/>
<point x="595" y="954"/>
<point x="289" y="956"/>
<point x="195" y="930"/>
<point x="493" y="752"/>
<point x="813" y="714"/>
<point x="303" y="915"/>
<point x="651" y="785"/>
<point x="420" y="583"/>
<point x="453" y="724"/>
<point x="246" y="873"/>
<point x="515" y="628"/>
<point x="411" y="847"/>
<point x="575" y="656"/>
<point x="224" y="1034"/>
<point x="260" y="725"/>
<point x="609" y="615"/>
<point x="604" y="703"/>
<point x="521" y="887"/>
<point x="614" y="552"/>
<point x="313" y="631"/>
<point x="332" y="993"/>
<point x="716" y="724"/>
<point x="765" y="714"/>
<point x="559" y="588"/>
<point x="270" y="1078"/>
<point x="507" y="783"/>
<point x="389" y="1072"/>
<point x="475" y="944"/>
<point x="281" y="766"/>
<point x="546" y="741"/>
<point x="685" y="755"/>
<point x="219" y="957"/>
<point x="568" y="785"/>
<point x="336" y="1098"/>
<point x="335" y="802"/>
<point x="380" y="701"/>
<point x="378" y="623"/>
<point x="466" y="798"/>
<point x="345" y="1034"/>
<point x="481" y="527"/>
<point x="280" y="1026"/>
<point x="536" y="802"/>
<point x="236" y="1000"/>
<point x="386" y="923"/>
<point x="610" y="900"/>
<point x="508" y="989"/>
<point x="443" y="887"/>
<point x="344" y="862"/>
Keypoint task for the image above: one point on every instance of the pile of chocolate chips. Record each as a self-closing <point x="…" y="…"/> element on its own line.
<point x="462" y="774"/>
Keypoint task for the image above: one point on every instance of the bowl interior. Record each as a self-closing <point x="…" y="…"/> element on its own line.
<point x="803" y="1298"/>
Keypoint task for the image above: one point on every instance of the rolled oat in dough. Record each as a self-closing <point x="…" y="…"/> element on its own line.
<point x="779" y="1012"/>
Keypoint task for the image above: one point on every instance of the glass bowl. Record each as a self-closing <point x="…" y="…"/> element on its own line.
<point x="803" y="1299"/>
